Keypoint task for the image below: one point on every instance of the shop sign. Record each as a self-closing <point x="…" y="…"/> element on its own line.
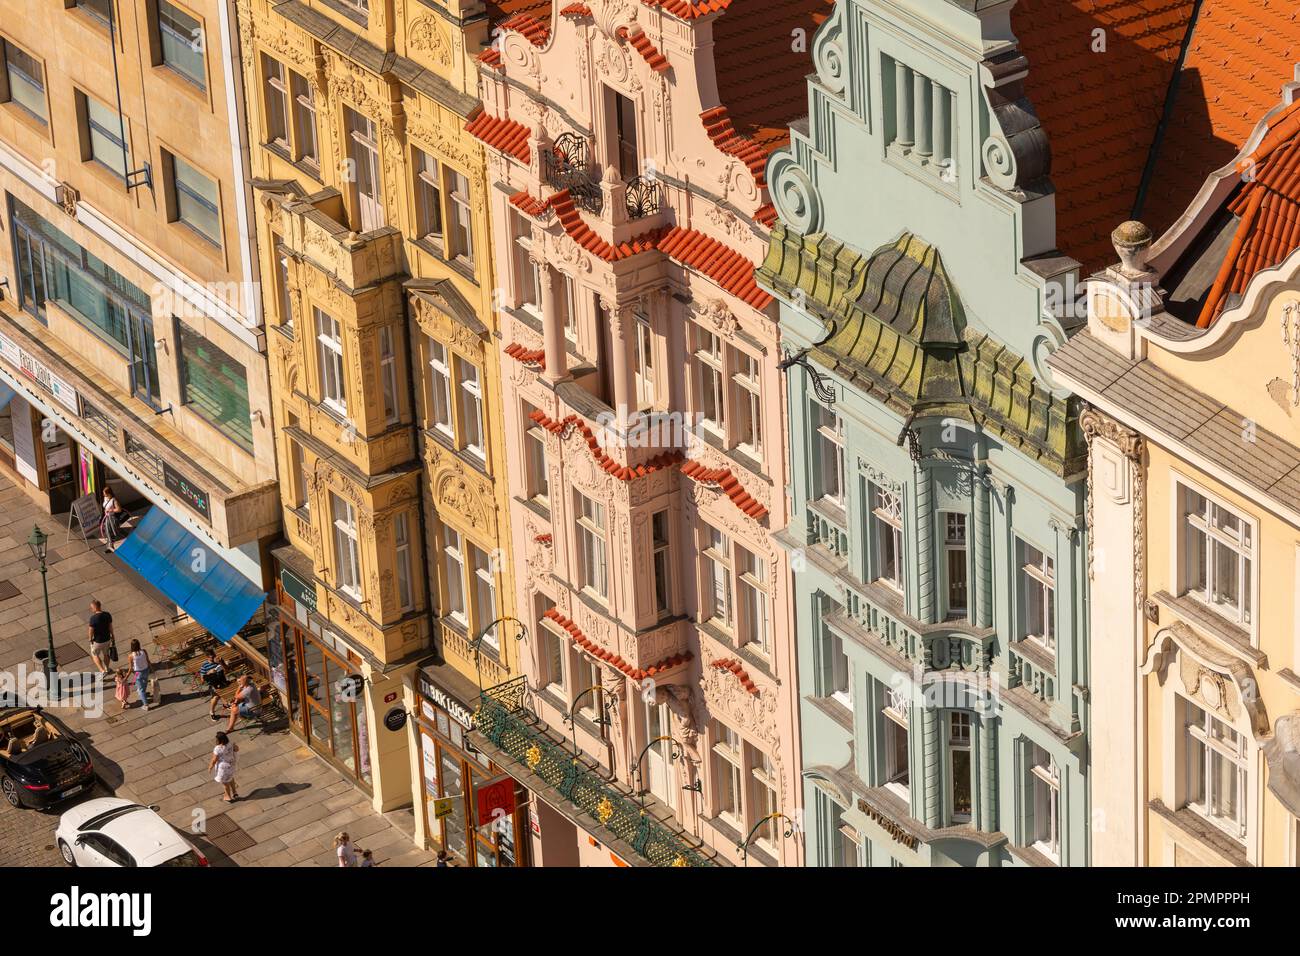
<point x="445" y="806"/>
<point x="36" y="370"/>
<point x="494" y="799"/>
<point x="24" y="443"/>
<point x="534" y="823"/>
<point x="395" y="719"/>
<point x="183" y="489"/>
<point x="458" y="712"/>
<point x="302" y="592"/>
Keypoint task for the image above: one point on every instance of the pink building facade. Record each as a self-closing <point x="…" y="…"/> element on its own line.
<point x="643" y="411"/>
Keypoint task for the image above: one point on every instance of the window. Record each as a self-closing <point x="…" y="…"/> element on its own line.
<point x="895" y="721"/>
<point x="660" y="774"/>
<point x="440" y="387"/>
<point x="645" y="362"/>
<point x="329" y="354"/>
<point x="471" y="408"/>
<point x="282" y="296"/>
<point x="954" y="547"/>
<point x="752" y="590"/>
<point x="462" y="222"/>
<point x="887" y="531"/>
<point x="591" y="546"/>
<point x="1215" y="759"/>
<point x="919" y="118"/>
<point x="828" y="441"/>
<point x="709" y="379"/>
<point x="453" y="567"/>
<point x="104" y="136"/>
<point x="836" y="679"/>
<point x="569" y="307"/>
<point x="193" y="199"/>
<point x="277" y="102"/>
<point x="99" y="9"/>
<point x="717" y="582"/>
<point x="215" y="387"/>
<point x="840" y="844"/>
<point x="629" y="153"/>
<point x="485" y="594"/>
<point x="347" y="559"/>
<point x="24" y="81"/>
<point x="749" y="405"/>
<point x="428" y="197"/>
<point x="180" y="43"/>
<point x="363" y="154"/>
<point x="662" y="562"/>
<point x="552" y="659"/>
<point x="959" y="765"/>
<point x="402" y="547"/>
<point x="1045" y="803"/>
<point x="763" y="776"/>
<point x="304" y="120"/>
<point x="528" y="281"/>
<point x="302" y="496"/>
<point x="1218" y="551"/>
<point x="388" y="374"/>
<point x="728" y="758"/>
<point x="536" y="474"/>
<point x="1038" y="586"/>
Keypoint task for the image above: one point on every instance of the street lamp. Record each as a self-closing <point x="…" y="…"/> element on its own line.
<point x="476" y="645"/>
<point x="37" y="542"/>
<point x="677" y="752"/>
<point x="744" y="845"/>
<point x="600" y="720"/>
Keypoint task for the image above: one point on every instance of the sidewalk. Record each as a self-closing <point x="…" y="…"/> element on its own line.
<point x="294" y="801"/>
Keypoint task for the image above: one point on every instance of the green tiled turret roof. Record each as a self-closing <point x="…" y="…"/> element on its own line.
<point x="896" y="328"/>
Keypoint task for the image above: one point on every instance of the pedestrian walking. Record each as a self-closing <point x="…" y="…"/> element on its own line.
<point x="123" y="690"/>
<point x="223" y="762"/>
<point x="213" y="673"/>
<point x="247" y="702"/>
<point x="442" y="858"/>
<point x="347" y="853"/>
<point x="139" y="662"/>
<point x="109" y="524"/>
<point x="99" y="628"/>
<point x="368" y="858"/>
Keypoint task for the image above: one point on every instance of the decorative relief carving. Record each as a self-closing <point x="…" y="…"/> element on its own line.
<point x="426" y="34"/>
<point x="1094" y="424"/>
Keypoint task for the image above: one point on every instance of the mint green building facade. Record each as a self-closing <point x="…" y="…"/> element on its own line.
<point x="937" y="480"/>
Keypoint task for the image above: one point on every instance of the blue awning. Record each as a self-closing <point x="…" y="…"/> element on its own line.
<point x="192" y="574"/>
<point x="6" y="395"/>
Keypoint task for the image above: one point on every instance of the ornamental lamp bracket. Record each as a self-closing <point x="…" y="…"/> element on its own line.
<point x="824" y="391"/>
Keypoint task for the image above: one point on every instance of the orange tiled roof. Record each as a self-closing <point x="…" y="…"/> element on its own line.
<point x="576" y="10"/>
<point x="531" y="18"/>
<point x="689" y="9"/>
<point x="1268" y="204"/>
<point x="1100" y="110"/>
<point x="529" y="204"/>
<point x="503" y="134"/>
<point x="724" y="479"/>
<point x="1240" y="54"/>
<point x="581" y="233"/>
<point x="742" y="675"/>
<point x="607" y="464"/>
<point x="521" y="353"/>
<point x="728" y="268"/>
<point x="760" y="71"/>
<point x="649" y="52"/>
<point x="609" y="657"/>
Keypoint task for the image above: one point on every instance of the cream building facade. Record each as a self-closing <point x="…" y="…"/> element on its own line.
<point x="1191" y="367"/>
<point x="372" y="217"/>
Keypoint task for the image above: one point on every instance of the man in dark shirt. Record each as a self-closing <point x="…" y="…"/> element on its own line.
<point x="213" y="673"/>
<point x="100" y="631"/>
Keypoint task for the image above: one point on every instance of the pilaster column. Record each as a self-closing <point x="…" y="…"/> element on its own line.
<point x="905" y="134"/>
<point x="552" y="327"/>
<point x="940" y="119"/>
<point x="925" y="546"/>
<point x="988" y="821"/>
<point x="983" y="548"/>
<point x="931" y="775"/>
<point x="621" y="320"/>
<point x="921" y="99"/>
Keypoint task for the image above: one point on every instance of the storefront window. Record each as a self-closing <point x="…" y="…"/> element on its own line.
<point x="453" y="784"/>
<point x="215" y="387"/>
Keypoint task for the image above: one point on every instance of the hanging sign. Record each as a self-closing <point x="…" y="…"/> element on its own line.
<point x="494" y="798"/>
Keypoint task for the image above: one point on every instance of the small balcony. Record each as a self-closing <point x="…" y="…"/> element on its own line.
<point x="568" y="165"/>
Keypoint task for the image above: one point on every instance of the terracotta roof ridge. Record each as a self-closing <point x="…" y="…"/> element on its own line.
<point x="729" y="484"/>
<point x="649" y="52"/>
<point x="521" y="353"/>
<point x="500" y="133"/>
<point x="689" y="9"/>
<point x="609" y="657"/>
<point x="566" y="426"/>
<point x="734" y="667"/>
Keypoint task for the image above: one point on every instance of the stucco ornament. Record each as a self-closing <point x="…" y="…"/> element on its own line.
<point x="1291" y="339"/>
<point x="828" y="53"/>
<point x="609" y="17"/>
<point x="793" y="194"/>
<point x="426" y="34"/>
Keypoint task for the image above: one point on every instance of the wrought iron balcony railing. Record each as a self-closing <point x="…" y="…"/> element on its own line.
<point x="566" y="165"/>
<point x="504" y="720"/>
<point x="644" y="197"/>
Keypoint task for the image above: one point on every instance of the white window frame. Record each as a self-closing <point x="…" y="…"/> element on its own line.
<point x="1045" y="791"/>
<point x="363" y="149"/>
<point x="460" y="231"/>
<point x="347" y="549"/>
<point x="303" y="106"/>
<point x="661" y="562"/>
<point x="711" y="380"/>
<point x="536" y="472"/>
<point x="1041" y="576"/>
<point x="454" y="575"/>
<point x="554" y="650"/>
<point x="570" y="308"/>
<point x="646" y="384"/>
<point x="1235" y="749"/>
<point x="887" y="519"/>
<point x="430" y="223"/>
<point x="839" y="671"/>
<point x="765" y="798"/>
<point x="485" y="595"/>
<point x="895" y="712"/>
<point x="747" y="381"/>
<point x="956" y="543"/>
<point x="402" y="559"/>
<point x="729" y="759"/>
<point x="527" y="270"/>
<point x="959" y="744"/>
<point x="277" y="86"/>
<point x="440" y="406"/>
<point x="470" y="393"/>
<point x="593" y="559"/>
<point x="330" y="364"/>
<point x="752" y="601"/>
<point x="719" y="588"/>
<point x="829" y="438"/>
<point x="1245" y="545"/>
<point x="388" y="375"/>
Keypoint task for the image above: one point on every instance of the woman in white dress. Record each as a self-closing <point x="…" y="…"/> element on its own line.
<point x="223" y="762"/>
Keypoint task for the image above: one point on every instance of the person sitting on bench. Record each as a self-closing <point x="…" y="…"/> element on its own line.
<point x="247" y="702"/>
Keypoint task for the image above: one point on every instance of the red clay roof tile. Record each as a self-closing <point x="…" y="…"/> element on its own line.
<point x="505" y="135"/>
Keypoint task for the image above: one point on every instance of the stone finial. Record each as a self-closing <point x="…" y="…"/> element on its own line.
<point x="611" y="176"/>
<point x="1131" y="240"/>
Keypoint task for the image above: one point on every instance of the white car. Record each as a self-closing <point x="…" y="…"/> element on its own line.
<point x="110" y="831"/>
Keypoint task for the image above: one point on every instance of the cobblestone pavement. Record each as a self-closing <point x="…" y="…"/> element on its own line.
<point x="294" y="801"/>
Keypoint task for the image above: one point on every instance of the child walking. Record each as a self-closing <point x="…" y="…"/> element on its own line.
<point x="123" y="690"/>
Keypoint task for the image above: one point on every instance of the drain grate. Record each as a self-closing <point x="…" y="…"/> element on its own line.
<point x="226" y="835"/>
<point x="67" y="653"/>
<point x="8" y="590"/>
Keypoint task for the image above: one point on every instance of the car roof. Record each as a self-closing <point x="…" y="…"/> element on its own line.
<point x="141" y="832"/>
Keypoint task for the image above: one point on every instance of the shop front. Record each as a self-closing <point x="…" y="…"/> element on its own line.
<point x="321" y="680"/>
<point x="471" y="809"/>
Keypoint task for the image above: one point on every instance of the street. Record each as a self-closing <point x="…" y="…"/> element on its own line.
<point x="294" y="802"/>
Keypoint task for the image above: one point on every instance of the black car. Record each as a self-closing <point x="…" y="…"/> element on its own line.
<point x="41" y="762"/>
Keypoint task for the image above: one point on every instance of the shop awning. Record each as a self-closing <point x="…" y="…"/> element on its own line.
<point x="192" y="574"/>
<point x="6" y="395"/>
